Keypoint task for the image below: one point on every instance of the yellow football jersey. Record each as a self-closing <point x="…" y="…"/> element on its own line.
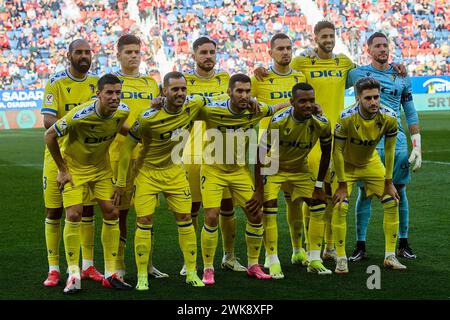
<point x="328" y="78"/>
<point x="137" y="94"/>
<point x="89" y="136"/>
<point x="159" y="131"/>
<point x="276" y="87"/>
<point x="218" y="115"/>
<point x="361" y="136"/>
<point x="63" y="92"/>
<point x="296" y="139"/>
<point x="211" y="87"/>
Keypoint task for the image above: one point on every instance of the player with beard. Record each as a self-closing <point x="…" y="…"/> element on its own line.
<point x="64" y="91"/>
<point x="207" y="82"/>
<point x="276" y="87"/>
<point x="396" y="92"/>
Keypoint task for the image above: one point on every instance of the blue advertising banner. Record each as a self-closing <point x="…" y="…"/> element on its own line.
<point x="19" y="100"/>
<point x="426" y="84"/>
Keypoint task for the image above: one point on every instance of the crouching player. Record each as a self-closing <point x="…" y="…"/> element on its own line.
<point x="84" y="168"/>
<point x="356" y="135"/>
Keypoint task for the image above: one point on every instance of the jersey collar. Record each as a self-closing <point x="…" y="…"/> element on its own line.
<point x="362" y="116"/>
<point x="199" y="76"/>
<point x="73" y="78"/>
<point x="120" y="73"/>
<point x="229" y="109"/>
<point x="98" y="113"/>
<point x="280" y="74"/>
<point x="291" y="112"/>
<point x="170" y="112"/>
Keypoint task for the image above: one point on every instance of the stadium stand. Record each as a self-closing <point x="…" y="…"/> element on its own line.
<point x="34" y="34"/>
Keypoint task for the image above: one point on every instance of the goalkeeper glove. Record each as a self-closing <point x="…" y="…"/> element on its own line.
<point x="415" y="159"/>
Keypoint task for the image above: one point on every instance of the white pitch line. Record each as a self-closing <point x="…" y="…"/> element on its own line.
<point x="21" y="165"/>
<point x="437" y="162"/>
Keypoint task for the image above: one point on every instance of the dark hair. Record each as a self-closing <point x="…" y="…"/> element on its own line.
<point x="375" y="35"/>
<point x="201" y="41"/>
<point x="172" y="75"/>
<point x="365" y="84"/>
<point x="278" y="36"/>
<point x="75" y="42"/>
<point x="324" y="24"/>
<point x="128" y="39"/>
<point x="108" y="78"/>
<point x="238" y="77"/>
<point x="301" y="86"/>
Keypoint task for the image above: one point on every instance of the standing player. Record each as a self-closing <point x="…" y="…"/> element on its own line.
<point x="297" y="131"/>
<point x="207" y="82"/>
<point x="137" y="92"/>
<point x="84" y="168"/>
<point x="275" y="88"/>
<point x="395" y="92"/>
<point x="158" y="131"/>
<point x="228" y="118"/>
<point x="64" y="91"/>
<point x="356" y="135"/>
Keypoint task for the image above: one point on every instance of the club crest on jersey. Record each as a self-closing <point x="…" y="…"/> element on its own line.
<point x="336" y="60"/>
<point x="49" y="98"/>
<point x="219" y="81"/>
<point x="296" y="79"/>
<point x="92" y="87"/>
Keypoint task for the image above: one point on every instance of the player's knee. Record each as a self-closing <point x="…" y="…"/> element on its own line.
<point x="147" y="220"/>
<point x="388" y="202"/>
<point x="110" y="213"/>
<point x="183" y="217"/>
<point x="88" y="211"/>
<point x="195" y="208"/>
<point x="271" y="203"/>
<point x="73" y="213"/>
<point x="287" y="196"/>
<point x="54" y="213"/>
<point x="227" y="205"/>
<point x="255" y="219"/>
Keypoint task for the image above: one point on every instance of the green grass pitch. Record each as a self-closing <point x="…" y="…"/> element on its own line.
<point x="24" y="263"/>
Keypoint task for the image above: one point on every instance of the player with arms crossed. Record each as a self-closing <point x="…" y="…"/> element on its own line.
<point x="137" y="92"/>
<point x="207" y="82"/>
<point x="64" y="91"/>
<point x="297" y="130"/>
<point x="396" y="92"/>
<point x="356" y="135"/>
<point x="158" y="130"/>
<point x="84" y="168"/>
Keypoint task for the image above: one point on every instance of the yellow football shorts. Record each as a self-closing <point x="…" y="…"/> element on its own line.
<point x="299" y="185"/>
<point x="171" y="181"/>
<point x="127" y="196"/>
<point x="101" y="189"/>
<point x="53" y="197"/>
<point x="314" y="163"/>
<point x="372" y="175"/>
<point x="193" y="172"/>
<point x="214" y="182"/>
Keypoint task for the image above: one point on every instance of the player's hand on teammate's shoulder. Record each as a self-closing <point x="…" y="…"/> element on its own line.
<point x="260" y="73"/>
<point x="117" y="195"/>
<point x="158" y="102"/>
<point x="400" y="69"/>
